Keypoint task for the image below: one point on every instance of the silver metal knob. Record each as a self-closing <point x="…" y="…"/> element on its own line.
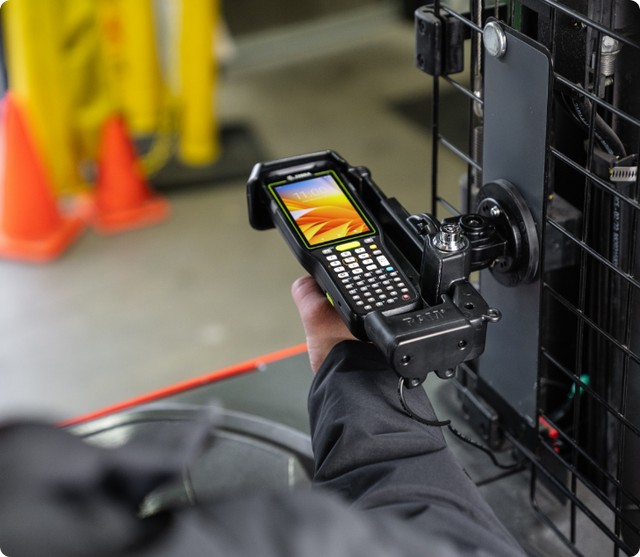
<point x="449" y="238"/>
<point x="495" y="40"/>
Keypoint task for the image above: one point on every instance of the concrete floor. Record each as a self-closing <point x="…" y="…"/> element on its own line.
<point x="119" y="316"/>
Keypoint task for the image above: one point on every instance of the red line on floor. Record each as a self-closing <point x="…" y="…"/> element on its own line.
<point x="224" y="373"/>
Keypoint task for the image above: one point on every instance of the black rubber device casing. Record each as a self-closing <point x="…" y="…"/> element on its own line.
<point x="265" y="213"/>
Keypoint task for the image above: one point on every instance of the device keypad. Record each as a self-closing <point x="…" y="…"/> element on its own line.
<point x="378" y="285"/>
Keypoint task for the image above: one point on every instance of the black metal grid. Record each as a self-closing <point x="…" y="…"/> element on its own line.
<point x="588" y="445"/>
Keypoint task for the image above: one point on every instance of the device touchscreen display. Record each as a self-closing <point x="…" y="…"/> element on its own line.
<point x="321" y="210"/>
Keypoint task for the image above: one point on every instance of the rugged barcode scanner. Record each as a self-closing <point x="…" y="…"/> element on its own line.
<point x="423" y="314"/>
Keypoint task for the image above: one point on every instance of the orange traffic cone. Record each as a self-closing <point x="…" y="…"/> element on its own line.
<point x="31" y="227"/>
<point x="123" y="199"/>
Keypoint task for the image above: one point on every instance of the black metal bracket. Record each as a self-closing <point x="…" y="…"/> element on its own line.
<point x="452" y="329"/>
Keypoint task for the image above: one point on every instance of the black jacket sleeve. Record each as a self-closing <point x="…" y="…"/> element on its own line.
<point x="62" y="498"/>
<point x="368" y="450"/>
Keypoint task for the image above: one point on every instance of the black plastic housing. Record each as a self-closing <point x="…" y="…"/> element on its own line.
<point x="264" y="213"/>
<point x="436" y="339"/>
<point x="439" y="42"/>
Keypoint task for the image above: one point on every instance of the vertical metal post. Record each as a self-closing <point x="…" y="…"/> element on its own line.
<point x="435" y="131"/>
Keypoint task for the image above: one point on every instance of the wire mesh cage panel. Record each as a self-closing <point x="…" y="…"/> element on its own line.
<point x="585" y="443"/>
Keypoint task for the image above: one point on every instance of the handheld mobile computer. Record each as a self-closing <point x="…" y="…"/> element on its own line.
<point x="312" y="203"/>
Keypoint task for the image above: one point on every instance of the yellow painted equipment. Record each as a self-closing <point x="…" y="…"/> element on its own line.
<point x="199" y="143"/>
<point x="76" y="63"/>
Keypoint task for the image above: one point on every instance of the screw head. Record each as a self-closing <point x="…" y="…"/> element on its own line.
<point x="449" y="373"/>
<point x="609" y="45"/>
<point x="495" y="211"/>
<point x="449" y="238"/>
<point x="495" y="40"/>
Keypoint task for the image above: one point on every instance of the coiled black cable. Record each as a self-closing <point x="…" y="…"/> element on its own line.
<point x="436" y="423"/>
<point x="579" y="107"/>
<point x="417" y="418"/>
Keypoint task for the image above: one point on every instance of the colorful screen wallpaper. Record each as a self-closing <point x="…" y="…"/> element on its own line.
<point x="321" y="210"/>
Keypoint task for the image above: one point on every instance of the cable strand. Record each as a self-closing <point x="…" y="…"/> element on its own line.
<point x="436" y="423"/>
<point x="403" y="402"/>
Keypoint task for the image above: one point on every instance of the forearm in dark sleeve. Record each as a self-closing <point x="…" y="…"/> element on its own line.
<point x="368" y="450"/>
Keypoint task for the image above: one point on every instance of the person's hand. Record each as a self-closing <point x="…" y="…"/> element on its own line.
<point x="322" y="324"/>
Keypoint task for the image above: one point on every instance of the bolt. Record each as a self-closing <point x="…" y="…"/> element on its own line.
<point x="495" y="40"/>
<point x="449" y="373"/>
<point x="415" y="382"/>
<point x="609" y="49"/>
<point x="451" y="228"/>
<point x="609" y="45"/>
<point x="449" y="238"/>
<point x="495" y="211"/>
<point x="405" y="360"/>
